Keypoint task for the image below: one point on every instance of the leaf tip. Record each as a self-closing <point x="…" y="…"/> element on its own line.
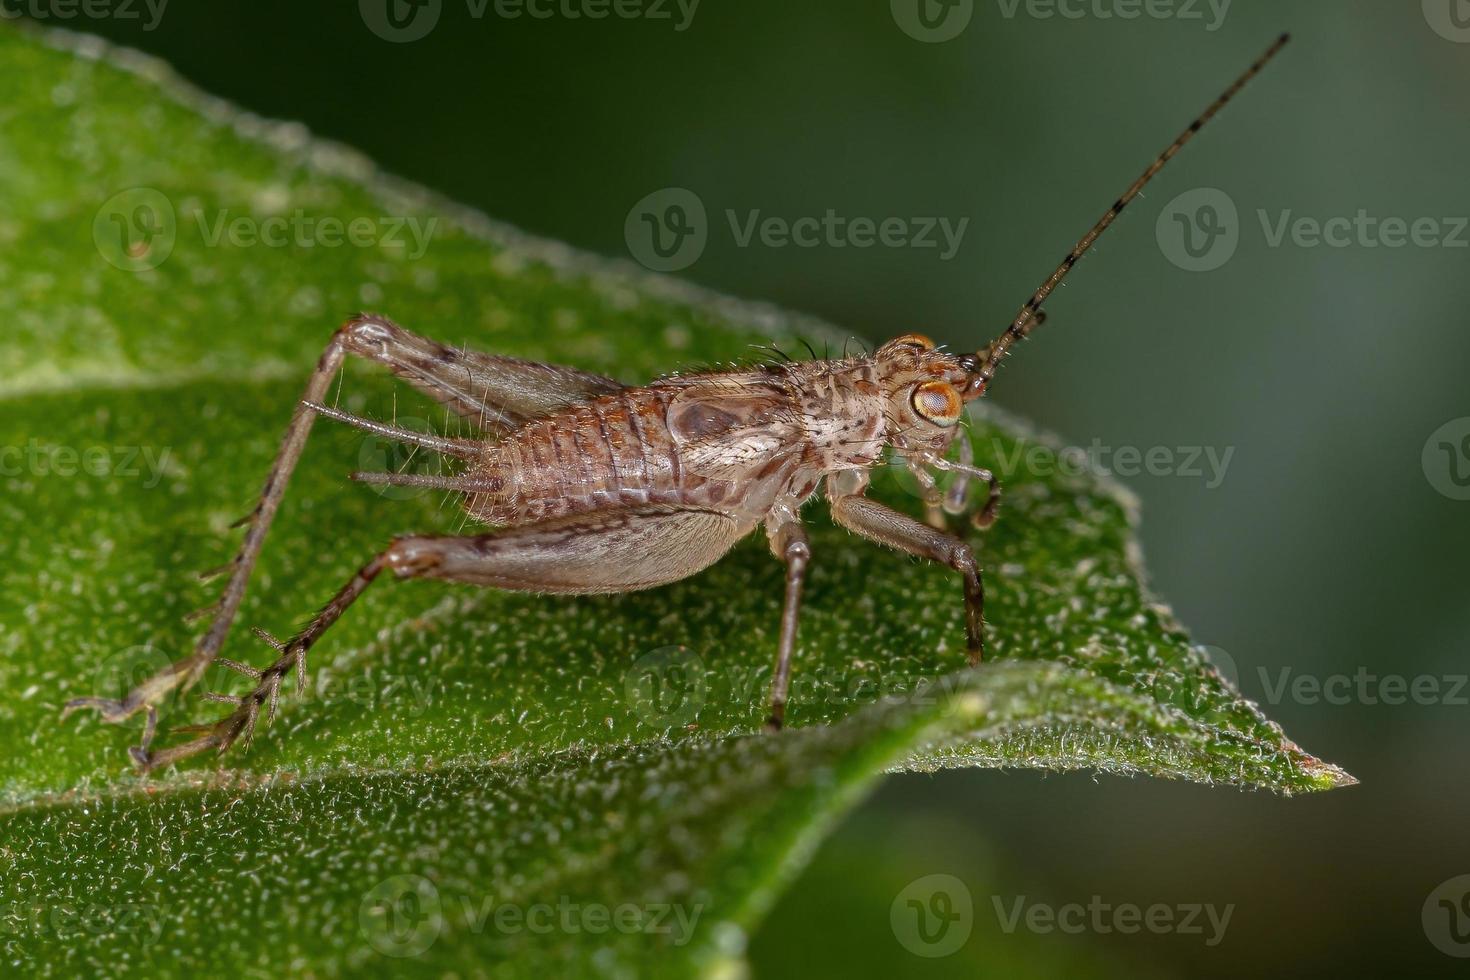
<point x="1325" y="776"/>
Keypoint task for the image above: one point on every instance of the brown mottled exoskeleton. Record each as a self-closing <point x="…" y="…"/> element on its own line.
<point x="595" y="487"/>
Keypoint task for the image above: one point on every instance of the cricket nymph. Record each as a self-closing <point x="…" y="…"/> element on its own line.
<point x="733" y="443"/>
<point x="587" y="485"/>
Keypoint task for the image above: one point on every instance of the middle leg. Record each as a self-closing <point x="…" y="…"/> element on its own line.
<point x="788" y="543"/>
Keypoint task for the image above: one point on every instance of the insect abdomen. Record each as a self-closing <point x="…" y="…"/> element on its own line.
<point x="611" y="450"/>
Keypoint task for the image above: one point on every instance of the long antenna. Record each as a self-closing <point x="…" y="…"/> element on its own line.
<point x="1031" y="315"/>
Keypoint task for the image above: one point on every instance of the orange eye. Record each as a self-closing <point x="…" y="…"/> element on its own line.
<point x="916" y="339"/>
<point x="938" y="402"/>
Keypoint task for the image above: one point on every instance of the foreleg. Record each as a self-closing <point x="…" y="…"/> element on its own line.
<point x="899" y="531"/>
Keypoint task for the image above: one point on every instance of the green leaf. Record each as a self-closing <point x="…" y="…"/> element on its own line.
<point x="460" y="752"/>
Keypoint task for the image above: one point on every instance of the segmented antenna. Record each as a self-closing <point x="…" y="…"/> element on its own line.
<point x="1031" y="315"/>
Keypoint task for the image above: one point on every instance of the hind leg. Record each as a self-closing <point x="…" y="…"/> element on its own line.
<point x="613" y="551"/>
<point x="465" y="381"/>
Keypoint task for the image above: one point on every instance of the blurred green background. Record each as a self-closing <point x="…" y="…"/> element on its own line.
<point x="1325" y="551"/>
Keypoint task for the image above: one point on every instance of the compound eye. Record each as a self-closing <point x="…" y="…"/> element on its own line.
<point x="915" y="339"/>
<point x="939" y="402"/>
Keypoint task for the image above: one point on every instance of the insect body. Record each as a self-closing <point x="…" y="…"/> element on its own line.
<point x="588" y="486"/>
